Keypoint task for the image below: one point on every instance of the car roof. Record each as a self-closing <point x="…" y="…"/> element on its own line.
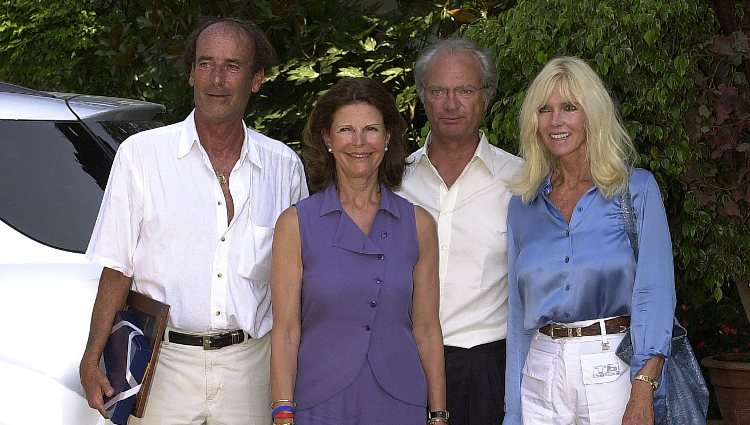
<point x="22" y="103"/>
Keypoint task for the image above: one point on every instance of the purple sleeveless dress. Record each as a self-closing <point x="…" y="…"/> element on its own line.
<point x="356" y="300"/>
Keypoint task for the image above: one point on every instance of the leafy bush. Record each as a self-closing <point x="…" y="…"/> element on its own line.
<point x="50" y="48"/>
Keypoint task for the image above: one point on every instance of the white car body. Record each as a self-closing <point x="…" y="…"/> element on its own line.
<point x="47" y="290"/>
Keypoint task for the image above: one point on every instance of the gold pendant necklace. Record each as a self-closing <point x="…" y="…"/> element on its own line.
<point x="221" y="178"/>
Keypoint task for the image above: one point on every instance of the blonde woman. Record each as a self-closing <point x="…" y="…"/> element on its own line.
<point x="574" y="280"/>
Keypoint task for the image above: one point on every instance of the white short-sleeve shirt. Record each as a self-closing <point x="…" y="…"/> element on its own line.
<point x="163" y="222"/>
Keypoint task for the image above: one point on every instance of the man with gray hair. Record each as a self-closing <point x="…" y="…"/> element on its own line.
<point x="462" y="181"/>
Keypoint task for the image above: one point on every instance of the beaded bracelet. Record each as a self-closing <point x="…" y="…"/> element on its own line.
<point x="279" y="412"/>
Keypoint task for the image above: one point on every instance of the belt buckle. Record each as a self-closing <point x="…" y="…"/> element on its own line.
<point x="236" y="337"/>
<point x="207" y="343"/>
<point x="569" y="332"/>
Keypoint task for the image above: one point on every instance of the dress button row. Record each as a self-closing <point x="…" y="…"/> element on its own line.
<point x="373" y="303"/>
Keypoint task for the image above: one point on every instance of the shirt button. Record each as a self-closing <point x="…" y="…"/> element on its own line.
<point x="223" y="238"/>
<point x="373" y="303"/>
<point x="567" y="287"/>
<point x="218" y="313"/>
<point x="218" y="275"/>
<point x="580" y="209"/>
<point x="384" y="235"/>
<point x="381" y="256"/>
<point x="443" y="248"/>
<point x="567" y="233"/>
<point x="567" y="260"/>
<point x="378" y="281"/>
<point x="368" y="328"/>
<point x="221" y="203"/>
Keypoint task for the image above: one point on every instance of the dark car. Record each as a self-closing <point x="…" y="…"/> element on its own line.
<point x="56" y="151"/>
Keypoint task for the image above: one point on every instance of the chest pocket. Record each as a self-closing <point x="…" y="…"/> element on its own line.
<point x="255" y="259"/>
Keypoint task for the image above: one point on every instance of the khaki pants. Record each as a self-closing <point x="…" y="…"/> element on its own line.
<point x="194" y="386"/>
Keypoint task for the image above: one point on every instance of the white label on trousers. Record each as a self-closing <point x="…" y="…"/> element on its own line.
<point x="601" y="367"/>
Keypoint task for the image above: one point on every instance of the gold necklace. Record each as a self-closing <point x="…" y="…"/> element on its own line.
<point x="221" y="177"/>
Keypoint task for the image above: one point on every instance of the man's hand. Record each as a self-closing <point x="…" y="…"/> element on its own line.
<point x="96" y="385"/>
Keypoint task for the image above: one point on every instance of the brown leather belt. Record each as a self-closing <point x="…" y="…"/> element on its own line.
<point x="208" y="342"/>
<point x="614" y="325"/>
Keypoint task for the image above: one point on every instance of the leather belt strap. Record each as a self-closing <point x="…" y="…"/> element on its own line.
<point x="208" y="342"/>
<point x="614" y="325"/>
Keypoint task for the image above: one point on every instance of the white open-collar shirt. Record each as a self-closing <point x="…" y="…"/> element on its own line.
<point x="163" y="222"/>
<point x="473" y="246"/>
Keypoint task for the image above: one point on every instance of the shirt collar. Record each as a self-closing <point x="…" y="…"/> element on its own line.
<point x="482" y="153"/>
<point x="189" y="139"/>
<point x="331" y="201"/>
<point x="545" y="188"/>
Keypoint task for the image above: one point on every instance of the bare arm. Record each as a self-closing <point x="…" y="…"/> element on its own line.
<point x="111" y="296"/>
<point x="286" y="295"/>
<point x="425" y="310"/>
<point x="640" y="408"/>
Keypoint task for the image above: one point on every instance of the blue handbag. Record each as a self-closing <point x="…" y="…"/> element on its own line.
<point x="687" y="394"/>
<point x="126" y="357"/>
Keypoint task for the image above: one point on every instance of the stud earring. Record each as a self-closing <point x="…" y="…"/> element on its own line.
<point x="386" y="148"/>
<point x="330" y="150"/>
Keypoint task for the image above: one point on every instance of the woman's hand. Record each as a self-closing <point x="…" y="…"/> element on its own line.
<point x="640" y="407"/>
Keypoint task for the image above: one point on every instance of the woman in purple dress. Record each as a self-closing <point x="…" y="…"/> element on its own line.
<point x="356" y="337"/>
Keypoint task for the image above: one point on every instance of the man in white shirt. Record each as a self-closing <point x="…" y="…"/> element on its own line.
<point x="187" y="219"/>
<point x="461" y="179"/>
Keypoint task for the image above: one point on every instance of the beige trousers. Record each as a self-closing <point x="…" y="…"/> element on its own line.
<point x="228" y="386"/>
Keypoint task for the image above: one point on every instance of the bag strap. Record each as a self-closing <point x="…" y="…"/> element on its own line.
<point x="628" y="216"/>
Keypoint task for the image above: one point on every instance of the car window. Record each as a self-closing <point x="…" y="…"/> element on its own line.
<point x="115" y="132"/>
<point x="52" y="178"/>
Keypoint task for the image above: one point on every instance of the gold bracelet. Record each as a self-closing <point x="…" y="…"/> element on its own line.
<point x="283" y="400"/>
<point x="647" y="379"/>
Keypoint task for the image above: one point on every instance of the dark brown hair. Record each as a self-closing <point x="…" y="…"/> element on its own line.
<point x="263" y="57"/>
<point x="320" y="164"/>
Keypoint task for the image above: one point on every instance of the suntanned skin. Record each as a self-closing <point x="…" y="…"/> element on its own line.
<point x="222" y="82"/>
<point x="561" y="128"/>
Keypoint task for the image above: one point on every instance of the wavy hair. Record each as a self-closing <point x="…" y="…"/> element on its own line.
<point x="609" y="150"/>
<point x="320" y="164"/>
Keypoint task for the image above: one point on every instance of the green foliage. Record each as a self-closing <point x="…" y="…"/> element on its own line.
<point x="50" y="47"/>
<point x="685" y="101"/>
<point x="317" y="42"/>
<point x="640" y="48"/>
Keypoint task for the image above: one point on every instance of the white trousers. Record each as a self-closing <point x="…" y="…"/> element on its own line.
<point x="574" y="381"/>
<point x="228" y="386"/>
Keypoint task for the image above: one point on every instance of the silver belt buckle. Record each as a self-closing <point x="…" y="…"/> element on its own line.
<point x="207" y="342"/>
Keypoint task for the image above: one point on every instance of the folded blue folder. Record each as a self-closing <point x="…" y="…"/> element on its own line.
<point x="126" y="357"/>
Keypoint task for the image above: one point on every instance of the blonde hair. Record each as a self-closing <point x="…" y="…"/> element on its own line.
<point x="609" y="150"/>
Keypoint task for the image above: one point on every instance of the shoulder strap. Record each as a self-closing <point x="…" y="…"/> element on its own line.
<point x="628" y="216"/>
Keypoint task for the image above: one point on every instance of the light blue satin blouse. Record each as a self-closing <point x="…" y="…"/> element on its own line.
<point x="586" y="269"/>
